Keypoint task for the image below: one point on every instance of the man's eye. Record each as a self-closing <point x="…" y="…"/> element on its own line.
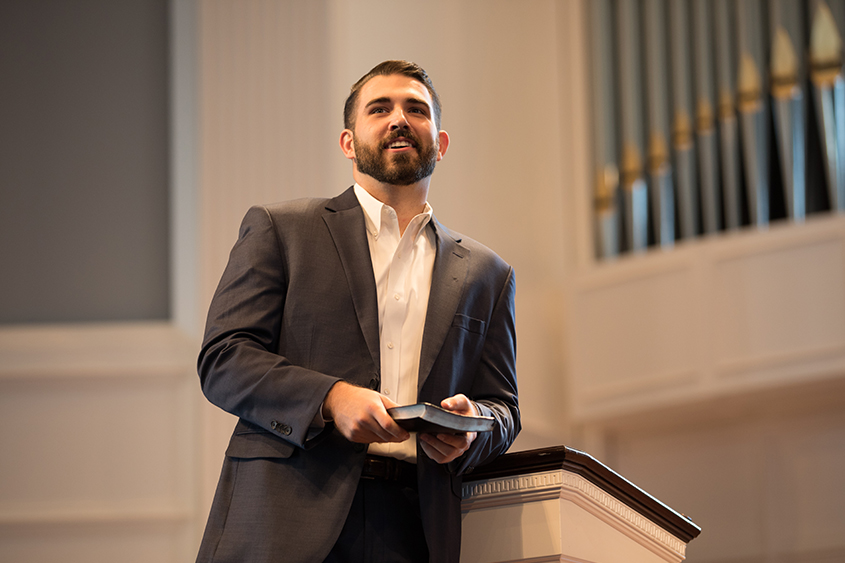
<point x="378" y="110"/>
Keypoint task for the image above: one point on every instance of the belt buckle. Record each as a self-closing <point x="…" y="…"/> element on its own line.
<point x="384" y="469"/>
<point x="374" y="468"/>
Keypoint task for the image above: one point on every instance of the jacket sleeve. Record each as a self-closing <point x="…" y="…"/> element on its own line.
<point x="239" y="368"/>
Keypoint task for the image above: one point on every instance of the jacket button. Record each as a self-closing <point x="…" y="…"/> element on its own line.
<point x="281" y="428"/>
<point x="359" y="447"/>
<point x="374" y="383"/>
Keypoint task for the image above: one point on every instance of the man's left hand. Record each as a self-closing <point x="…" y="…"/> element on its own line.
<point x="444" y="448"/>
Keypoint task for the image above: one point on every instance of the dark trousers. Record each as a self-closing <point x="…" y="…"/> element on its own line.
<point x="383" y="526"/>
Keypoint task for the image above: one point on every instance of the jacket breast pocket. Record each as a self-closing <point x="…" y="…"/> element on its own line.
<point x="250" y="441"/>
<point x="469" y="323"/>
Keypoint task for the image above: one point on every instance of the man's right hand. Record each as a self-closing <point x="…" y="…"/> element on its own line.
<point x="361" y="414"/>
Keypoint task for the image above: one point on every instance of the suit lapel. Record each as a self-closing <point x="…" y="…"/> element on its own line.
<point x="345" y="220"/>
<point x="447" y="281"/>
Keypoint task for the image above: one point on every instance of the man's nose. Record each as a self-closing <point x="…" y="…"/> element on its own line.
<point x="398" y="120"/>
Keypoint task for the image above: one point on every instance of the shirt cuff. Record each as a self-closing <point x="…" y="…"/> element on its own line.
<point x="317" y="424"/>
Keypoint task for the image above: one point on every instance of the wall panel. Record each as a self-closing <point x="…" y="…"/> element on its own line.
<point x="97" y="427"/>
<point x="763" y="486"/>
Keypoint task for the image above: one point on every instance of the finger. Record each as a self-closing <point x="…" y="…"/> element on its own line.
<point x="374" y="421"/>
<point x="432" y="452"/>
<point x="442" y="447"/>
<point x="457" y="441"/>
<point x="386" y="421"/>
<point x="360" y="434"/>
<point x="438" y="450"/>
<point x="429" y="451"/>
<point x="378" y="426"/>
<point x="365" y="427"/>
<point x="391" y="431"/>
<point x="365" y="438"/>
<point x="369" y="431"/>
<point x="460" y="404"/>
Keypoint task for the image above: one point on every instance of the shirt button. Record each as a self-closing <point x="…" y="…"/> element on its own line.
<point x="387" y="391"/>
<point x="390" y="345"/>
<point x="397" y="297"/>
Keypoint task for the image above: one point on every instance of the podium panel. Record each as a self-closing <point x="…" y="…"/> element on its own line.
<point x="559" y="504"/>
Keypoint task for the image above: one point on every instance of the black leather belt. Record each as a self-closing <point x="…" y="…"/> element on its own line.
<point x="390" y="469"/>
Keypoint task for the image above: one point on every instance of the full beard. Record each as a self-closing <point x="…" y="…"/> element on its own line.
<point x="400" y="169"/>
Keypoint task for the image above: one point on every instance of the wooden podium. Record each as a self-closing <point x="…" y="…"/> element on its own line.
<point x="560" y="504"/>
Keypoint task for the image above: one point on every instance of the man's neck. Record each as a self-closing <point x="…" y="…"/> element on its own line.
<point x="408" y="201"/>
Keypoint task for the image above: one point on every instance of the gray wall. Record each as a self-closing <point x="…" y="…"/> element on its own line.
<point x="83" y="161"/>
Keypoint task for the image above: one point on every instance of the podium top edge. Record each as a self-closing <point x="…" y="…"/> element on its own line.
<point x="594" y="471"/>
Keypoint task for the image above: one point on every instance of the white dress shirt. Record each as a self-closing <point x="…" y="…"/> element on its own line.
<point x="402" y="266"/>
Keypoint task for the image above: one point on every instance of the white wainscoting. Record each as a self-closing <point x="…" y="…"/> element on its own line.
<point x="764" y="483"/>
<point x="99" y="457"/>
<point x="731" y="314"/>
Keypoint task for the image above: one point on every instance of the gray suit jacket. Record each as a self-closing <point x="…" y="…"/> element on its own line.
<point x="295" y="311"/>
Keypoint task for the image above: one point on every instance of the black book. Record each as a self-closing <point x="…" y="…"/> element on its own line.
<point x="425" y="417"/>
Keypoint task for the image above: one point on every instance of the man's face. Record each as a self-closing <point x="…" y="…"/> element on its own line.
<point x="395" y="140"/>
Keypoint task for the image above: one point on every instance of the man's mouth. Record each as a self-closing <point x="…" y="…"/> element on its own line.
<point x="400" y="143"/>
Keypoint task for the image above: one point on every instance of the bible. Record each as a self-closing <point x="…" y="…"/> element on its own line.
<point x="425" y="417"/>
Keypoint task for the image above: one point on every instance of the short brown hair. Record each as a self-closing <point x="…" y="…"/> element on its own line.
<point x="388" y="68"/>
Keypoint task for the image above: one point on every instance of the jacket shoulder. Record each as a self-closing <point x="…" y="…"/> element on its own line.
<point x="481" y="254"/>
<point x="303" y="207"/>
<point x="289" y="215"/>
<point x="306" y="208"/>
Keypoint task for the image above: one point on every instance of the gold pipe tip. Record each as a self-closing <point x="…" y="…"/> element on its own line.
<point x="607" y="180"/>
<point x="825" y="47"/>
<point x="682" y="130"/>
<point x="704" y="117"/>
<point x="726" y="105"/>
<point x="632" y="165"/>
<point x="749" y="83"/>
<point x="784" y="65"/>
<point x="658" y="153"/>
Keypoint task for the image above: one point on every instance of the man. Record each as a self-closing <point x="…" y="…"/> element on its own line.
<point x="329" y="313"/>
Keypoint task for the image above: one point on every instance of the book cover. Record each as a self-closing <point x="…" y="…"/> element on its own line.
<point x="425" y="417"/>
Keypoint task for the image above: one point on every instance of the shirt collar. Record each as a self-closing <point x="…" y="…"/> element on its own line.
<point x="373" y="209"/>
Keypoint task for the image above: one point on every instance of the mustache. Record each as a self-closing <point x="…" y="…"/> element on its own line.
<point x="405" y="134"/>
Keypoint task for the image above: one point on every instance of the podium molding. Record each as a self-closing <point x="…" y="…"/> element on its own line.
<point x="560" y="504"/>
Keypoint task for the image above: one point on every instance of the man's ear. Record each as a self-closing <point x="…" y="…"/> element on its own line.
<point x="346" y="144"/>
<point x="443" y="143"/>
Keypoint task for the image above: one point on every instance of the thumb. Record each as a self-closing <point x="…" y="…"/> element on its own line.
<point x="458" y="403"/>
